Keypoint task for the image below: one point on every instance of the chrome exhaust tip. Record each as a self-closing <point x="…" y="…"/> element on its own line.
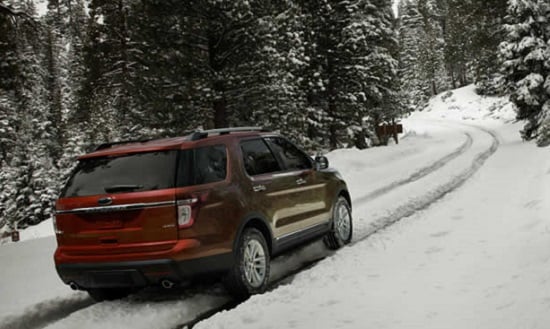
<point x="73" y="285"/>
<point x="167" y="284"/>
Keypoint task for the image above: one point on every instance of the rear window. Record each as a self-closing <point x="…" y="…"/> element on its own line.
<point x="130" y="173"/>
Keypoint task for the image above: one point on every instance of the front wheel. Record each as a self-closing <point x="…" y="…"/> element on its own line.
<point x="250" y="274"/>
<point x="342" y="227"/>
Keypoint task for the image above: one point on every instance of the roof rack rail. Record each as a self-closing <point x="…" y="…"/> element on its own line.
<point x="200" y="134"/>
<point x="111" y="144"/>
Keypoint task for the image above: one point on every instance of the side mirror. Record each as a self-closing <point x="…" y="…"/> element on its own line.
<point x="321" y="162"/>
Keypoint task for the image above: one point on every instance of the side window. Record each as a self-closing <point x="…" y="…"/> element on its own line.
<point x="257" y="158"/>
<point x="202" y="165"/>
<point x="210" y="164"/>
<point x="292" y="157"/>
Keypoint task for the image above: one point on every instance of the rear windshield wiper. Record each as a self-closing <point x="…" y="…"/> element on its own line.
<point x="122" y="188"/>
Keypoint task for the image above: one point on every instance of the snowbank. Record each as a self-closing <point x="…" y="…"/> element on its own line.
<point x="465" y="104"/>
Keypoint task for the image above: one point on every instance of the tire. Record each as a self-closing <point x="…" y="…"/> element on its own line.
<point x="342" y="225"/>
<point x="250" y="273"/>
<point x="102" y="294"/>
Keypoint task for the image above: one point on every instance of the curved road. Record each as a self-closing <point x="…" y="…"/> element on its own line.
<point x="374" y="210"/>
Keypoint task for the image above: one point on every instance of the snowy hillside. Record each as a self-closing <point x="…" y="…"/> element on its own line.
<point x="451" y="230"/>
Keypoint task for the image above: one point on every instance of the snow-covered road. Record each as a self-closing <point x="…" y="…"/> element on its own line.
<point x="478" y="258"/>
<point x="404" y="196"/>
<point x="451" y="231"/>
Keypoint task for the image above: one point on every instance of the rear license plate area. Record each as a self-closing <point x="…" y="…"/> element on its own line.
<point x="117" y="278"/>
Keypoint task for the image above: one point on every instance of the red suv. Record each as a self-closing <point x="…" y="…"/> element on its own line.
<point x="163" y="212"/>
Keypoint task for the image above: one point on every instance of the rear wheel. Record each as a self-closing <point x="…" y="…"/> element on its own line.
<point x="250" y="274"/>
<point x="342" y="227"/>
<point x="101" y="294"/>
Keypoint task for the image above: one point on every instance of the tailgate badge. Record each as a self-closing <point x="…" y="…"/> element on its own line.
<point x="105" y="201"/>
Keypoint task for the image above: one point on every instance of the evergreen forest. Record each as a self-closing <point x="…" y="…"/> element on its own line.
<point x="77" y="73"/>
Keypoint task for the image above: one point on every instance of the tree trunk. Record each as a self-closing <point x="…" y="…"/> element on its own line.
<point x="331" y="99"/>
<point x="220" y="107"/>
<point x="360" y="142"/>
<point x="217" y="65"/>
<point x="333" y="140"/>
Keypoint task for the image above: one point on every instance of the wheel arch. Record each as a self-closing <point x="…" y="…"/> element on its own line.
<point x="332" y="239"/>
<point x="257" y="221"/>
<point x="344" y="193"/>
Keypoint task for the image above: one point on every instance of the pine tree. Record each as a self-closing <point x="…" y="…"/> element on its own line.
<point x="53" y="63"/>
<point x="314" y="77"/>
<point x="104" y="97"/>
<point x="432" y="57"/>
<point x="29" y="178"/>
<point x="67" y="20"/>
<point x="488" y="33"/>
<point x="526" y="55"/>
<point x="331" y="109"/>
<point x="280" y="99"/>
<point x="9" y="120"/>
<point x="473" y="32"/>
<point x="459" y="41"/>
<point x="168" y="58"/>
<point x="8" y="78"/>
<point x="351" y="76"/>
<point x="411" y="39"/>
<point x="371" y="46"/>
<point x="89" y="97"/>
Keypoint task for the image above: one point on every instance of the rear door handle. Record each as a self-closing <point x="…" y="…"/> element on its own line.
<point x="301" y="181"/>
<point x="259" y="188"/>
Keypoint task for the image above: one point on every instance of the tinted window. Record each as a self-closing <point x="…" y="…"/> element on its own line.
<point x="290" y="155"/>
<point x="257" y="158"/>
<point x="202" y="165"/>
<point x="130" y="173"/>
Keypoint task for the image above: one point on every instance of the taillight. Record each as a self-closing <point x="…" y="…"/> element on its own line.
<point x="55" y="228"/>
<point x="185" y="212"/>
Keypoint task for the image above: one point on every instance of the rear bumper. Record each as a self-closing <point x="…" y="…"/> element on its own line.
<point x="141" y="273"/>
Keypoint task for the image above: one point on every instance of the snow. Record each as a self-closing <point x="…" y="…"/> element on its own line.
<point x="450" y="231"/>
<point x="463" y="263"/>
<point x="395" y="7"/>
<point x="138" y="314"/>
<point x="28" y="275"/>
<point x="41" y="7"/>
<point x="41" y="230"/>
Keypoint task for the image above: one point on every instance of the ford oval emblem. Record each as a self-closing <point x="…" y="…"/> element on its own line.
<point x="105" y="201"/>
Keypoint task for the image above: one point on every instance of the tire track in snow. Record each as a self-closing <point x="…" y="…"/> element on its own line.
<point x="398" y="214"/>
<point x="231" y="304"/>
<point x="45" y="313"/>
<point x="423" y="202"/>
<point x="422" y="172"/>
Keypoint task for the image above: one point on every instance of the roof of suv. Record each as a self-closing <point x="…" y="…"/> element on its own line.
<point x="128" y="147"/>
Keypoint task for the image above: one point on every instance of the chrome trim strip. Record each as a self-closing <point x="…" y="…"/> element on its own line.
<point x="123" y="207"/>
<point x="300" y="231"/>
<point x="297" y="189"/>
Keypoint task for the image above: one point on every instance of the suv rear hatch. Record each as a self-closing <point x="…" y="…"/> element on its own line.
<point x="118" y="205"/>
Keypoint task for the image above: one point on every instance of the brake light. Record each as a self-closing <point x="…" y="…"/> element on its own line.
<point x="185" y="212"/>
<point x="55" y="228"/>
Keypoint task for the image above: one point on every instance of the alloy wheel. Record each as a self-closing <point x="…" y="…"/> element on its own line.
<point x="254" y="263"/>
<point x="343" y="221"/>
